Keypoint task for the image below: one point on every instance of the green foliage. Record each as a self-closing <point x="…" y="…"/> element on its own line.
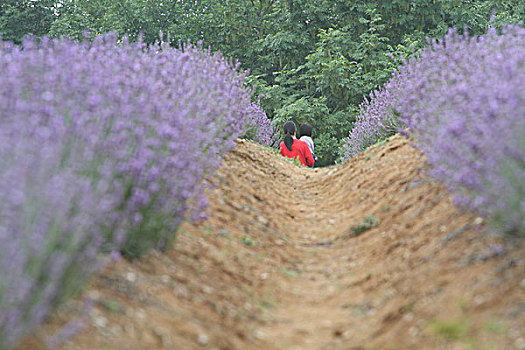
<point x="408" y="307"/>
<point x="129" y="18"/>
<point x="21" y="17"/>
<point x="247" y="241"/>
<point x="368" y="223"/>
<point x="313" y="61"/>
<point x="346" y="65"/>
<point x="295" y="161"/>
<point x="495" y="326"/>
<point x="152" y="232"/>
<point x="358" y="45"/>
<point x="289" y="272"/>
<point x="449" y="329"/>
<point x="113" y="306"/>
<point x="478" y="16"/>
<point x="267" y="301"/>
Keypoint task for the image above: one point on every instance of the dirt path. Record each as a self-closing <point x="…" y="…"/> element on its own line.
<point x="369" y="255"/>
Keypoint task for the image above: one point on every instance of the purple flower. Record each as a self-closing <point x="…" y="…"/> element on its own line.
<point x="259" y="127"/>
<point x="105" y="153"/>
<point x="463" y="100"/>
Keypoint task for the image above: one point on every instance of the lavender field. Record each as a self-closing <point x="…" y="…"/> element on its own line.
<point x="105" y="147"/>
<point x="108" y="145"/>
<point x="462" y="100"/>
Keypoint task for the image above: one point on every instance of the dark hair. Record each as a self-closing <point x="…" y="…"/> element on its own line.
<point x="288" y="129"/>
<point x="305" y="130"/>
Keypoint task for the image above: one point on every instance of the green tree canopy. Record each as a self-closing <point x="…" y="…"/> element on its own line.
<point x="313" y="60"/>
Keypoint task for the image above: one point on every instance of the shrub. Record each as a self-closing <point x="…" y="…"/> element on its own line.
<point x="259" y="127"/>
<point x="368" y="223"/>
<point x="377" y="120"/>
<point x="463" y="101"/>
<point x="103" y="145"/>
<point x="49" y="232"/>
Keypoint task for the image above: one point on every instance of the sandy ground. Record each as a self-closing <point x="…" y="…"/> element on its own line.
<point x="369" y="255"/>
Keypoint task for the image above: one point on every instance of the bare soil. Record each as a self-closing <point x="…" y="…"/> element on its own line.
<point x="368" y="255"/>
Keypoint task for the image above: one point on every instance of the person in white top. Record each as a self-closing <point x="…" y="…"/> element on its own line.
<point x="305" y="133"/>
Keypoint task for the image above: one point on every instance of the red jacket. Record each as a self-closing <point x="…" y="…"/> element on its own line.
<point x="299" y="149"/>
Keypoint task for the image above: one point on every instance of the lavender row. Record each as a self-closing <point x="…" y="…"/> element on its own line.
<point x="463" y="100"/>
<point x="260" y="128"/>
<point x="104" y="146"/>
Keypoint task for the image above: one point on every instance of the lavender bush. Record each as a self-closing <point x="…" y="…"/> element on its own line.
<point x="377" y="119"/>
<point x="463" y="100"/>
<point x="259" y="128"/>
<point x="103" y="145"/>
<point x="49" y="231"/>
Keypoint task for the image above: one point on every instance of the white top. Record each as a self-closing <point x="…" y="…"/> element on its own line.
<point x="309" y="142"/>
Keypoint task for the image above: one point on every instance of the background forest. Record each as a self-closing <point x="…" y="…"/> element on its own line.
<point x="110" y="134"/>
<point x="312" y="60"/>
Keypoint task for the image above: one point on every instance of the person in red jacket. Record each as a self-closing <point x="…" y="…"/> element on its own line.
<point x="293" y="148"/>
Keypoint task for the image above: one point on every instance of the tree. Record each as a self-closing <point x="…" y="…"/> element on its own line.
<point x="22" y="17"/>
<point x="308" y="57"/>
